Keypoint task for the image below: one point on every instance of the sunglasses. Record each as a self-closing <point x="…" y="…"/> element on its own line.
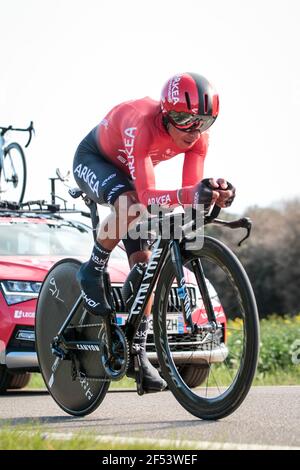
<point x="189" y="123"/>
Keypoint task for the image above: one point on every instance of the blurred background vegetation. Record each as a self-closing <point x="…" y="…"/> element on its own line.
<point x="271" y="256"/>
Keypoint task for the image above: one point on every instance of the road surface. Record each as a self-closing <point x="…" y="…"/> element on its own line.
<point x="270" y="416"/>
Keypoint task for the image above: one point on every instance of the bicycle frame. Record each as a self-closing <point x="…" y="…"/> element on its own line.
<point x="160" y="250"/>
<point x="151" y="274"/>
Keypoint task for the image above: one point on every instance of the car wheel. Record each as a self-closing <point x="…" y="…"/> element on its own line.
<point x="4" y="379"/>
<point x="194" y="375"/>
<point x="18" y="381"/>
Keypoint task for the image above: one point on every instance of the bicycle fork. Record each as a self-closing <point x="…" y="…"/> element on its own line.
<point x="183" y="292"/>
<point x="181" y="289"/>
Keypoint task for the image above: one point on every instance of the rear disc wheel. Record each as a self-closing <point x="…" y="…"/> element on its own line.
<point x="60" y="291"/>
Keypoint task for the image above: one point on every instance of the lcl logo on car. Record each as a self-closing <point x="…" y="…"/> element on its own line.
<point x="21" y="314"/>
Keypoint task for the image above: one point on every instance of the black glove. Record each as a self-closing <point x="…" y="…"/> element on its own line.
<point x="204" y="194"/>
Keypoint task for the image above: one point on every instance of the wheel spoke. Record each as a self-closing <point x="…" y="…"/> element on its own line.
<point x="13" y="174"/>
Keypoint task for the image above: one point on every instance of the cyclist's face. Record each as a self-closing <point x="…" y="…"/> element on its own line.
<point x="183" y="140"/>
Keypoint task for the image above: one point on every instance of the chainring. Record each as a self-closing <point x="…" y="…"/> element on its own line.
<point x="115" y="367"/>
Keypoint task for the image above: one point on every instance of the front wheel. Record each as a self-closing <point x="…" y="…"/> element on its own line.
<point x="227" y="354"/>
<point x="13" y="174"/>
<point x="75" y="383"/>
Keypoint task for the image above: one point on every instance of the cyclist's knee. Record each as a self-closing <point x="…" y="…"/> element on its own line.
<point x="128" y="204"/>
<point x="139" y="257"/>
<point x="126" y="200"/>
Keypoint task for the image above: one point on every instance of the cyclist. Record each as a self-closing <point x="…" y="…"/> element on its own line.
<point x="117" y="158"/>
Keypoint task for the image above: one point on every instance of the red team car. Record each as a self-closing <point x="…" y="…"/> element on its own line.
<point x="30" y="243"/>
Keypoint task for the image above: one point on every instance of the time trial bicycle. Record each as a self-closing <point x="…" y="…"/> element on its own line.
<point x="80" y="354"/>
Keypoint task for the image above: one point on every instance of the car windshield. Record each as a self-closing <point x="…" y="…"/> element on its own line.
<point x="46" y="237"/>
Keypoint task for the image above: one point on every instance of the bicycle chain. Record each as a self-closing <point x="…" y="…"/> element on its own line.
<point x="91" y="379"/>
<point x="84" y="326"/>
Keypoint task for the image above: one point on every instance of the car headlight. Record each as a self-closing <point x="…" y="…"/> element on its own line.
<point x="20" y="291"/>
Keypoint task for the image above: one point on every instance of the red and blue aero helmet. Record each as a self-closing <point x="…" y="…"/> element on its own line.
<point x="188" y="99"/>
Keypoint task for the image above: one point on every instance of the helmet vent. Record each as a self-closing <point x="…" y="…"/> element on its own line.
<point x="205" y="103"/>
<point x="187" y="99"/>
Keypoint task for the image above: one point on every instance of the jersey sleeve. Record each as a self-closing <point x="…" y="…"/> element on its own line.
<point x="145" y="185"/>
<point x="142" y="172"/>
<point x="193" y="166"/>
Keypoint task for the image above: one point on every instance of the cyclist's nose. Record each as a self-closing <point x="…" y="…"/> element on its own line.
<point x="195" y="134"/>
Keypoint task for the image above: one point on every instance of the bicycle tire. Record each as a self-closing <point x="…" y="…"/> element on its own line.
<point x="21" y="184"/>
<point x="58" y="294"/>
<point x="213" y="401"/>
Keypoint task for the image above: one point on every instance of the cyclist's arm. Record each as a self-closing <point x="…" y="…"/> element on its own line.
<point x="143" y="174"/>
<point x="193" y="169"/>
<point x="191" y="175"/>
<point x="145" y="185"/>
<point x="193" y="166"/>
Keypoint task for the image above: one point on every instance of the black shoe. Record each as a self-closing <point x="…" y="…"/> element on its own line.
<point x="152" y="381"/>
<point x="93" y="291"/>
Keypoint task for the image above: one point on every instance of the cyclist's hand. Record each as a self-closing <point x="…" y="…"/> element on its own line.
<point x="209" y="191"/>
<point x="205" y="193"/>
<point x="225" y="190"/>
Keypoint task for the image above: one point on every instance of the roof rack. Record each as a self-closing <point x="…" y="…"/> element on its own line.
<point x="41" y="206"/>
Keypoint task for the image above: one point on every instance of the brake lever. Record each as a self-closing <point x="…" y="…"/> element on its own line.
<point x="244" y="222"/>
<point x="248" y="227"/>
<point x="31" y="131"/>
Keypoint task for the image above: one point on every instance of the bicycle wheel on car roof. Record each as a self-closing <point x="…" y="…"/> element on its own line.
<point x="13" y="174"/>
<point x="79" y="391"/>
<point x="229" y="353"/>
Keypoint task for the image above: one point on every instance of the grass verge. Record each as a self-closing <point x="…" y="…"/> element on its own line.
<point x="20" y="438"/>
<point x="37" y="383"/>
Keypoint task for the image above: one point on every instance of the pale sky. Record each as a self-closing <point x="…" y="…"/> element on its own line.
<point x="65" y="63"/>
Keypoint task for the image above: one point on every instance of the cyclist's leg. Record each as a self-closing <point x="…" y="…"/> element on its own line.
<point x="105" y="184"/>
<point x="138" y="252"/>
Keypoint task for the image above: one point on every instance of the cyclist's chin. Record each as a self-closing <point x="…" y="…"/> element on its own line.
<point x="185" y="144"/>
